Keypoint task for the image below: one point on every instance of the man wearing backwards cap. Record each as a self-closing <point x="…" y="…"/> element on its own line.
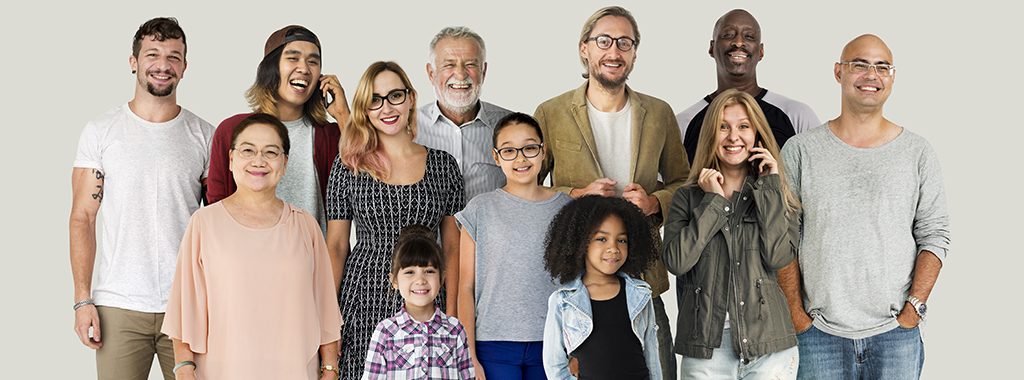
<point x="289" y="85"/>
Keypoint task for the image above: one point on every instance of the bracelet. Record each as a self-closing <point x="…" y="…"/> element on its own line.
<point x="87" y="301"/>
<point x="331" y="368"/>
<point x="184" y="363"/>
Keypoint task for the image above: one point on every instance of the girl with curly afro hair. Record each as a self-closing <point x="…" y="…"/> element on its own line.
<point x="602" y="318"/>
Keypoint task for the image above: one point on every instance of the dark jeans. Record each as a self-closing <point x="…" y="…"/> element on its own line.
<point x="511" y="360"/>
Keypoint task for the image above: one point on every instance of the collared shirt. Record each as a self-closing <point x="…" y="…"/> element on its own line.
<point x="471" y="144"/>
<point x="402" y="348"/>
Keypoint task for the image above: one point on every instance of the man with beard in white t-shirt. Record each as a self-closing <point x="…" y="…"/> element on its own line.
<point x="142" y="164"/>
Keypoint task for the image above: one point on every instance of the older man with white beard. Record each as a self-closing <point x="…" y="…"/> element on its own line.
<point x="459" y="122"/>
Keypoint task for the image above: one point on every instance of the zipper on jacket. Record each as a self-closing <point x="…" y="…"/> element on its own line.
<point x="696" y="311"/>
<point x="760" y="294"/>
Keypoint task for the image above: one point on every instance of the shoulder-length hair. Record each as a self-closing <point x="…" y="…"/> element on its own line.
<point x="262" y="95"/>
<point x="706" y="156"/>
<point x="360" y="146"/>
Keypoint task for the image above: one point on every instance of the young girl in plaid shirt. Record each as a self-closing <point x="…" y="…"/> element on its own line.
<point x="419" y="341"/>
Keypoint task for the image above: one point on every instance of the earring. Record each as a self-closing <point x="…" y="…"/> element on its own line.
<point x="133" y="71"/>
<point x="408" y="128"/>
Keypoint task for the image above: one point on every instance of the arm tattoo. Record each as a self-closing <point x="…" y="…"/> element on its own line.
<point x="98" y="195"/>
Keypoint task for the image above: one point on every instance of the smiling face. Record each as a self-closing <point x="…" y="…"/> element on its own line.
<point x="864" y="91"/>
<point x="390" y="119"/>
<point x="521" y="170"/>
<point x="735" y="137"/>
<point x="737" y="46"/>
<point x="609" y="67"/>
<point x="264" y="169"/>
<point x="418" y="286"/>
<point x="159" y="65"/>
<point x="299" y="73"/>
<point x="457" y="74"/>
<point x="608" y="248"/>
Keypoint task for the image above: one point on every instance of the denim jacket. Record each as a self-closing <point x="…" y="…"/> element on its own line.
<point x="570" y="321"/>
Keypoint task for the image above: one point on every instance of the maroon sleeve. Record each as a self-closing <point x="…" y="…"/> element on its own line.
<point x="325" y="149"/>
<point x="220" y="183"/>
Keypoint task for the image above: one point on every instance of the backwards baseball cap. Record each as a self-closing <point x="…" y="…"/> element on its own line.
<point x="288" y="34"/>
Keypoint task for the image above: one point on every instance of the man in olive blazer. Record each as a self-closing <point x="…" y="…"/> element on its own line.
<point x="604" y="138"/>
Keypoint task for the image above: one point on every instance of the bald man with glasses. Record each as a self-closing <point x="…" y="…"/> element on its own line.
<point x="875" y="229"/>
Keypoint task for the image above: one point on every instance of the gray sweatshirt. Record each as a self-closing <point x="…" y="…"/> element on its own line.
<point x="867" y="213"/>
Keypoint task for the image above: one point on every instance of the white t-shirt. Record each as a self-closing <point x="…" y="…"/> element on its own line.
<point x="151" y="186"/>
<point x="613" y="136"/>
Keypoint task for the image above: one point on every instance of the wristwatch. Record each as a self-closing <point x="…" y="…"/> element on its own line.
<point x="919" y="306"/>
<point x="331" y="368"/>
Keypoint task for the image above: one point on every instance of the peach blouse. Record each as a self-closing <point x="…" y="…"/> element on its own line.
<point x="253" y="303"/>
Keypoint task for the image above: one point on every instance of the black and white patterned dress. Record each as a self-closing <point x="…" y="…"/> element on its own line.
<point x="379" y="211"/>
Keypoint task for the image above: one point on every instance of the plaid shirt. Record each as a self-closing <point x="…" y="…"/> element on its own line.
<point x="402" y="348"/>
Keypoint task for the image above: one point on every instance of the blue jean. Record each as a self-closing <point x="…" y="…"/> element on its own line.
<point x="726" y="364"/>
<point x="511" y="360"/>
<point x="895" y="354"/>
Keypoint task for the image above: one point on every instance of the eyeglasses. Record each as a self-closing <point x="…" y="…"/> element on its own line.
<point x="604" y="42"/>
<point x="269" y="153"/>
<point x="395" y="97"/>
<point x="883" y="70"/>
<point x="510" y="153"/>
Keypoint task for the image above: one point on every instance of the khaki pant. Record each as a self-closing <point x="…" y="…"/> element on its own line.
<point x="130" y="338"/>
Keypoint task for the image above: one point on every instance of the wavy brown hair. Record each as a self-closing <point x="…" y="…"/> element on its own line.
<point x="360" y="147"/>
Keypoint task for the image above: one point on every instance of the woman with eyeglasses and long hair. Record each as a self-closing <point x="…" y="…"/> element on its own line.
<point x="503" y="287"/>
<point x="383" y="181"/>
<point x="729" y="229"/>
<point x="253" y="296"/>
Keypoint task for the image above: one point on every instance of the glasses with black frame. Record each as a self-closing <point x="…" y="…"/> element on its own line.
<point x="604" y="42"/>
<point x="510" y="154"/>
<point x="249" y="152"/>
<point x="395" y="97"/>
<point x="882" y="69"/>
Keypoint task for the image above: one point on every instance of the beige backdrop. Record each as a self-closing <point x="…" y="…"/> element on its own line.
<point x="64" y="64"/>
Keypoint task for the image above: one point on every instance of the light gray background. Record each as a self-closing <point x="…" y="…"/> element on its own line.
<point x="958" y="69"/>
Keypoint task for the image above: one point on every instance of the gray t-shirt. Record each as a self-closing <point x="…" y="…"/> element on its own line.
<point x="299" y="186"/>
<point x="151" y="186"/>
<point x="867" y="213"/>
<point x="512" y="286"/>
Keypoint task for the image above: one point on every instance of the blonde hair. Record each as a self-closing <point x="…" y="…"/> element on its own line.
<point x="707" y="144"/>
<point x="360" y="147"/>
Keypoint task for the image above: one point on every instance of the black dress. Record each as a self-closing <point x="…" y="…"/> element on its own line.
<point x="379" y="211"/>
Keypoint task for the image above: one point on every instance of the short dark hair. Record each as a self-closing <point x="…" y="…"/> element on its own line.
<point x="570" y="232"/>
<point x="262" y="118"/>
<point x="515" y="118"/>
<point x="416" y="247"/>
<point x="160" y="28"/>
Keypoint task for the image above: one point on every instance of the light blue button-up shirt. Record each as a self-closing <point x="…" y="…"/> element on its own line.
<point x="471" y="144"/>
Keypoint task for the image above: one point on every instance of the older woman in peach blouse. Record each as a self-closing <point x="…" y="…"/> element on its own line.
<point x="253" y="296"/>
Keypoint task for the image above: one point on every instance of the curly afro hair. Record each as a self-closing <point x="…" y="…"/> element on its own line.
<point x="570" y="232"/>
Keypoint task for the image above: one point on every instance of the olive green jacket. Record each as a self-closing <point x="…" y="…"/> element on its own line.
<point x="725" y="255"/>
<point x="657" y="150"/>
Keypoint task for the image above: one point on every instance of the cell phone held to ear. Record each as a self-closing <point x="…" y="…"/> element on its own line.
<point x="756" y="164"/>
